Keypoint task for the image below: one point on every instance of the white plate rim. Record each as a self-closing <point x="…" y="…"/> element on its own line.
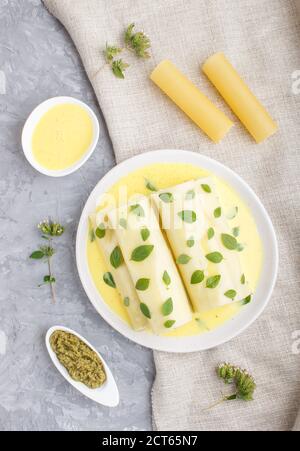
<point x="240" y="322"/>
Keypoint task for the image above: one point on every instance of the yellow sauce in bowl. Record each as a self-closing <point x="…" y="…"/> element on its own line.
<point x="163" y="175"/>
<point x="62" y="136"/>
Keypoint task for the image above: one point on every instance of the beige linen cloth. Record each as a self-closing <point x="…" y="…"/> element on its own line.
<point x="262" y="39"/>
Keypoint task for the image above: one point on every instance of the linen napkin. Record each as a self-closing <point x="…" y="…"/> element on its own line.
<point x="262" y="39"/>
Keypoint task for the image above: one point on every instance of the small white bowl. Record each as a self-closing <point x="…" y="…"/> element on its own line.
<point x="107" y="394"/>
<point x="33" y="120"/>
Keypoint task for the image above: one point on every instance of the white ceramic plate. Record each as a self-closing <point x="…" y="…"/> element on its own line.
<point x="107" y="394"/>
<point x="265" y="228"/>
<point x="33" y="120"/>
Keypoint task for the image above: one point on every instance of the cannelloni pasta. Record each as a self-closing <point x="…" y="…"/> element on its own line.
<point x="107" y="241"/>
<point x="205" y="249"/>
<point x="163" y="298"/>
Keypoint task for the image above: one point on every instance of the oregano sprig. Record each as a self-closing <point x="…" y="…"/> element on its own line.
<point x="136" y="42"/>
<point x="243" y="382"/>
<point x="49" y="229"/>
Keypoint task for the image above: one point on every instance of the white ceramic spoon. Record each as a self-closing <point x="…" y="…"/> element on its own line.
<point x="107" y="394"/>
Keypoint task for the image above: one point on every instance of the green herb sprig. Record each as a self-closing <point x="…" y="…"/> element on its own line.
<point x="135" y="42"/>
<point x="49" y="229"/>
<point x="243" y="382"/>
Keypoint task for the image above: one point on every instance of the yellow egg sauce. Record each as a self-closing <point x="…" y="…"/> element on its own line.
<point x="62" y="136"/>
<point x="163" y="175"/>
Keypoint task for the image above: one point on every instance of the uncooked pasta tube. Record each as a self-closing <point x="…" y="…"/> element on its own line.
<point x="191" y="100"/>
<point x="163" y="299"/>
<point x="239" y="97"/>
<point x="206" y="253"/>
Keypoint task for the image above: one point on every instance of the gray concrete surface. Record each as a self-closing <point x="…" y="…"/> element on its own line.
<point x="38" y="61"/>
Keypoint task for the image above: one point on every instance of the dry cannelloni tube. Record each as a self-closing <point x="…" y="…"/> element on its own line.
<point x="163" y="298"/>
<point x="108" y="244"/>
<point x="205" y="250"/>
<point x="239" y="97"/>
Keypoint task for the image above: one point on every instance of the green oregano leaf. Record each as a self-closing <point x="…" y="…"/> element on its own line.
<point x="231" y="294"/>
<point x="243" y="279"/>
<point x="37" y="255"/>
<point x="100" y="231"/>
<point x="142" y="252"/>
<point x="190" y="195"/>
<point x="126" y="301"/>
<point x="190" y="242"/>
<point x="213" y="282"/>
<point x="137" y="210"/>
<point x="92" y="235"/>
<point x="145" y="233"/>
<point x="166" y="197"/>
<point x="118" y="67"/>
<point x="142" y="284"/>
<point x="247" y="300"/>
<point x="123" y="223"/>
<point x="49" y="279"/>
<point x="116" y="257"/>
<point x="218" y="212"/>
<point x="236" y="231"/>
<point x="150" y="186"/>
<point x="214" y="257"/>
<point x="168" y="324"/>
<point x="183" y="259"/>
<point x="197" y="277"/>
<point x="145" y="310"/>
<point x="206" y="188"/>
<point x="188" y="216"/>
<point x="240" y="247"/>
<point x="109" y="280"/>
<point x="167" y="307"/>
<point x="229" y="241"/>
<point x="210" y="233"/>
<point x="166" y="278"/>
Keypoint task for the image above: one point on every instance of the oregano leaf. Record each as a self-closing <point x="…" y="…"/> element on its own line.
<point x="197" y="277"/>
<point x="116" y="257"/>
<point x="229" y="241"/>
<point x="145" y="233"/>
<point x="168" y="324"/>
<point x="213" y="282"/>
<point x="188" y="216"/>
<point x="142" y="252"/>
<point x="150" y="186"/>
<point x="166" y="197"/>
<point x="137" y="210"/>
<point x="214" y="257"/>
<point x="206" y="188"/>
<point x="183" y="259"/>
<point x="142" y="284"/>
<point x="109" y="280"/>
<point x="100" y="231"/>
<point x="166" y="278"/>
<point x="210" y="233"/>
<point x="167" y="307"/>
<point x="231" y="294"/>
<point x="145" y="310"/>
<point x="190" y="242"/>
<point x="218" y="212"/>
